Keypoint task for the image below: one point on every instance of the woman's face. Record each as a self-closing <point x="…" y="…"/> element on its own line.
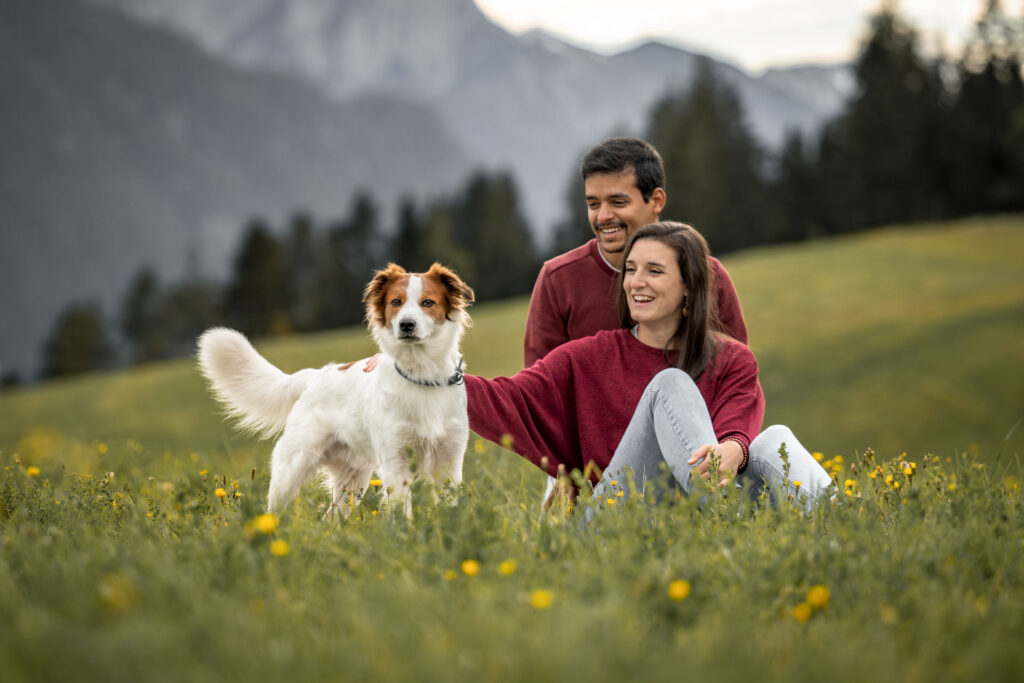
<point x="654" y="286"/>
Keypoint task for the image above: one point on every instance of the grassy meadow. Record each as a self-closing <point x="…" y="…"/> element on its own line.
<point x="132" y="543"/>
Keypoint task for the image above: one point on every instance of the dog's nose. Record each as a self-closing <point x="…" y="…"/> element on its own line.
<point x="407" y="325"/>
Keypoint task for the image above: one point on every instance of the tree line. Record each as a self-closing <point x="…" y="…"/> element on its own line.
<point x="919" y="139"/>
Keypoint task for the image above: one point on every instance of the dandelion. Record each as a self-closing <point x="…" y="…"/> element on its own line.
<point x="32" y="471"/>
<point x="817" y="596"/>
<point x="266" y="523"/>
<point x="849" y="484"/>
<point x="507" y="568"/>
<point x="470" y="567"/>
<point x="203" y="472"/>
<point x="802" y="612"/>
<point x="679" y="590"/>
<point x="220" y="493"/>
<point x="278" y="548"/>
<point x="117" y="592"/>
<point x="541" y="599"/>
<point x="796" y="484"/>
<point x="375" y="482"/>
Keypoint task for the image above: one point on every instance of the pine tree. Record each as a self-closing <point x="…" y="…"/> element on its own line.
<point x="78" y="343"/>
<point x="713" y="165"/>
<point x="256" y="299"/>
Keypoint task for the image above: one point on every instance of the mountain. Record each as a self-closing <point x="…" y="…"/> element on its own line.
<point x="531" y="103"/>
<point x="123" y="144"/>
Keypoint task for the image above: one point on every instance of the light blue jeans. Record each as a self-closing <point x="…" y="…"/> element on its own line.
<point x="672" y="421"/>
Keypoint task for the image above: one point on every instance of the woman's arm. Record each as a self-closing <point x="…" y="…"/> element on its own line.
<point x="736" y="408"/>
<point x="526" y="413"/>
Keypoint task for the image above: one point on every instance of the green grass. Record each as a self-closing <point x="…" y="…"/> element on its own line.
<point x="906" y="339"/>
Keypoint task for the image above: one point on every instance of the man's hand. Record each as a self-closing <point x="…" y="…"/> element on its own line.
<point x="730" y="454"/>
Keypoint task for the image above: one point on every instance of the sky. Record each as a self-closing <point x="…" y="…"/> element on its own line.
<point x="754" y="34"/>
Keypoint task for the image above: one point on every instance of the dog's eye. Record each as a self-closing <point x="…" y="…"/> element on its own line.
<point x="396" y="302"/>
<point x="427" y="303"/>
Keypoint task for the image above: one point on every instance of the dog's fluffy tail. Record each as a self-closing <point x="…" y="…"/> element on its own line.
<point x="252" y="390"/>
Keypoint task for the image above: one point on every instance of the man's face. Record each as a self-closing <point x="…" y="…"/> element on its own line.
<point x="616" y="209"/>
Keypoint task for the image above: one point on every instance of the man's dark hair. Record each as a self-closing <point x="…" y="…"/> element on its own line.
<point x="622" y="155"/>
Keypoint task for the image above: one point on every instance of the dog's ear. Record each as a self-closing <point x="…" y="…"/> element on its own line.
<point x="459" y="294"/>
<point x="377" y="289"/>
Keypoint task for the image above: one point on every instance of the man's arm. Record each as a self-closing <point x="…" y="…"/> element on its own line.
<point x="730" y="315"/>
<point x="545" y="328"/>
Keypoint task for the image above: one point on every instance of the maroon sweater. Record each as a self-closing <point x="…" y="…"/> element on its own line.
<point x="574" y="297"/>
<point x="574" y="405"/>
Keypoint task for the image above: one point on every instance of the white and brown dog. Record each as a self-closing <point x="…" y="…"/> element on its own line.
<point x="348" y="423"/>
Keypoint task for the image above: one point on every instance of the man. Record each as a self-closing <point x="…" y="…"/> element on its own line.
<point x="623" y="180"/>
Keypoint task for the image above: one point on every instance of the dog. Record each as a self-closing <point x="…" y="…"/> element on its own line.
<point x="348" y="423"/>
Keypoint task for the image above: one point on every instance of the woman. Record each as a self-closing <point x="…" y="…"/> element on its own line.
<point x="664" y="389"/>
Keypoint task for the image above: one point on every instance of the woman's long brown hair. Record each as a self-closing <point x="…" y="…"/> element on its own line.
<point x="694" y="334"/>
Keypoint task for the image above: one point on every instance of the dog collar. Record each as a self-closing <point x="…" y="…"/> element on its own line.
<point x="457" y="378"/>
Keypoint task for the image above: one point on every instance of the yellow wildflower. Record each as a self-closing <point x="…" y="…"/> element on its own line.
<point x="32" y="471"/>
<point x="266" y="523"/>
<point x="507" y="567"/>
<point x="797" y="485"/>
<point x="817" y="596"/>
<point x="470" y="567"/>
<point x="220" y="492"/>
<point x="375" y="482"/>
<point x="952" y="486"/>
<point x="541" y="599"/>
<point x="849" y="484"/>
<point x="679" y="590"/>
<point x="203" y="472"/>
<point x="279" y="548"/>
<point x="611" y="501"/>
<point x="818" y="456"/>
<point x="802" y="612"/>
<point x="478" y="446"/>
<point x="449" y="575"/>
<point x="620" y="494"/>
<point x="506" y="441"/>
<point x="101" y="447"/>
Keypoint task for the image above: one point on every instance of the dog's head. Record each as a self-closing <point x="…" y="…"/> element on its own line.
<point x="413" y="307"/>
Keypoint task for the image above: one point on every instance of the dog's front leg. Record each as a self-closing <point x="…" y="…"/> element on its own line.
<point x="397" y="475"/>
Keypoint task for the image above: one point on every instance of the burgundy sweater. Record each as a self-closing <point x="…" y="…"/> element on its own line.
<point x="574" y="405"/>
<point x="574" y="297"/>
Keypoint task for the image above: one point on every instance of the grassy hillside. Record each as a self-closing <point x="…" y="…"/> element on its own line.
<point x="132" y="545"/>
<point x="905" y="339"/>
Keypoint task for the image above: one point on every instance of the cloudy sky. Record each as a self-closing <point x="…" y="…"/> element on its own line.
<point x="752" y="33"/>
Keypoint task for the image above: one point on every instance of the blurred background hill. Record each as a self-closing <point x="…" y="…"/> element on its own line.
<point x="166" y="165"/>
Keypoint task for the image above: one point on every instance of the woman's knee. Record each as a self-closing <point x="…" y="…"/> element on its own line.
<point x="777" y="434"/>
<point x="672" y="380"/>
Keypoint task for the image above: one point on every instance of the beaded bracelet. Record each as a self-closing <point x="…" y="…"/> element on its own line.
<point x="743" y="447"/>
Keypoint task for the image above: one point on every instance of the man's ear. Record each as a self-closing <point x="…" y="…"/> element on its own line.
<point x="658" y="199"/>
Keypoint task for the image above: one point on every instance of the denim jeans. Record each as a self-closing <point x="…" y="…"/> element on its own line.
<point x="672" y="421"/>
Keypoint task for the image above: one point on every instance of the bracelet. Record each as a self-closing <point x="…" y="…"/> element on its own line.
<point x="743" y="447"/>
